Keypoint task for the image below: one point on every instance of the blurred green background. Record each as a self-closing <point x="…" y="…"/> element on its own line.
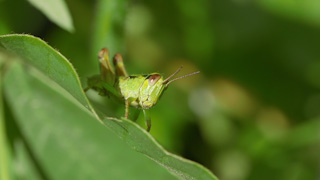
<point x="252" y="113"/>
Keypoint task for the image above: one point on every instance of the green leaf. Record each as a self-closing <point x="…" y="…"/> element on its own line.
<point x="68" y="142"/>
<point x="56" y="66"/>
<point x="39" y="54"/>
<point x="4" y="146"/>
<point x="141" y="141"/>
<point x="23" y="165"/>
<point x="57" y="11"/>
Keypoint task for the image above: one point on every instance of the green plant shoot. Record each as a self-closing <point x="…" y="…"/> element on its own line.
<point x="139" y="91"/>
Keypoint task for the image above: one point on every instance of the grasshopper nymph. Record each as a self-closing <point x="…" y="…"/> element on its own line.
<point x="139" y="91"/>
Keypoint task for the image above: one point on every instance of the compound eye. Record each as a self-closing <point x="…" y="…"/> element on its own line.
<point x="153" y="79"/>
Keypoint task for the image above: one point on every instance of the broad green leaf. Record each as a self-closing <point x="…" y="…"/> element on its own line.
<point x="57" y="11"/>
<point x="15" y="159"/>
<point x="4" y="146"/>
<point x="39" y="54"/>
<point x="141" y="141"/>
<point x="67" y="141"/>
<point x="56" y="66"/>
<point x="23" y="165"/>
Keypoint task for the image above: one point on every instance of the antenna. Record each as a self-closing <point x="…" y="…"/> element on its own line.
<point x="182" y="77"/>
<point x="166" y="80"/>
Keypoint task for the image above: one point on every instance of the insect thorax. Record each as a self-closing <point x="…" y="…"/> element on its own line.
<point x="139" y="92"/>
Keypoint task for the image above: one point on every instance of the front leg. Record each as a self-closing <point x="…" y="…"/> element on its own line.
<point x="126" y="115"/>
<point x="147" y="119"/>
<point x="135" y="115"/>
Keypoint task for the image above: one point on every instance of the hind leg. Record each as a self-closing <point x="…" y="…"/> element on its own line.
<point x="119" y="65"/>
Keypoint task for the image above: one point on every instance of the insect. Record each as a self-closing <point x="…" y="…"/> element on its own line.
<point x="139" y="91"/>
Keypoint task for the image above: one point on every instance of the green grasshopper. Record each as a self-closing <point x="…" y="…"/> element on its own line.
<point x="139" y="91"/>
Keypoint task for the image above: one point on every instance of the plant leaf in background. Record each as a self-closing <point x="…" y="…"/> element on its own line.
<point x="57" y="11"/>
<point x="306" y="10"/>
<point x="109" y="17"/>
<point x="54" y="65"/>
